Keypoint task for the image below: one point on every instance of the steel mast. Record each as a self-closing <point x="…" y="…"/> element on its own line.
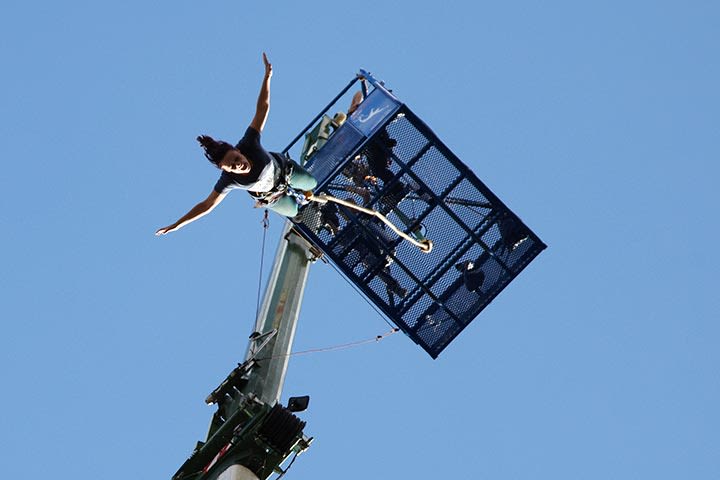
<point x="251" y="434"/>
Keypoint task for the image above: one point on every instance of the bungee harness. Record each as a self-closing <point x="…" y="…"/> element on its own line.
<point x="281" y="185"/>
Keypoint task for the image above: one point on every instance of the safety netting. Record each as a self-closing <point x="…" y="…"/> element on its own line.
<point x="385" y="158"/>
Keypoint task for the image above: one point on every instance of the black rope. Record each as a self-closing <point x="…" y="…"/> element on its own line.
<point x="265" y="224"/>
<point x="343" y="346"/>
<point x="288" y="467"/>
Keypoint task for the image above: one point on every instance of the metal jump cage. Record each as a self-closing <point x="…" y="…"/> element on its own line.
<point x="384" y="158"/>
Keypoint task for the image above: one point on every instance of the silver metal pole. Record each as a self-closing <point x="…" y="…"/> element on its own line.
<point x="237" y="472"/>
<point x="280" y="310"/>
<point x="270" y="345"/>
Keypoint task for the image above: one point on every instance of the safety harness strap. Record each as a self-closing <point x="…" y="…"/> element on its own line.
<point x="282" y="180"/>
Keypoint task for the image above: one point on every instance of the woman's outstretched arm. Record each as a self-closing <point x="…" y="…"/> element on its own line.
<point x="263" y="103"/>
<point x="199" y="210"/>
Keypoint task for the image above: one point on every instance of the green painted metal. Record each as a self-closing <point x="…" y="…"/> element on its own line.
<point x="250" y="427"/>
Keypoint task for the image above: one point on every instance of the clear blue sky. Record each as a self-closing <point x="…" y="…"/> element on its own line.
<point x="596" y="122"/>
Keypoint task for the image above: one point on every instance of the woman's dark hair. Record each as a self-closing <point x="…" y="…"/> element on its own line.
<point x="214" y="150"/>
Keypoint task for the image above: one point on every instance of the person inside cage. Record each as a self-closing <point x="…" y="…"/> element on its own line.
<point x="367" y="243"/>
<point x="512" y="233"/>
<point x="377" y="155"/>
<point x="372" y="165"/>
<point x="273" y="180"/>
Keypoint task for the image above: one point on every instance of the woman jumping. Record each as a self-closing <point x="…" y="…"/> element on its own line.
<point x="248" y="166"/>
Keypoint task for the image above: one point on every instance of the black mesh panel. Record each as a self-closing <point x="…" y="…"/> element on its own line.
<point x="405" y="172"/>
